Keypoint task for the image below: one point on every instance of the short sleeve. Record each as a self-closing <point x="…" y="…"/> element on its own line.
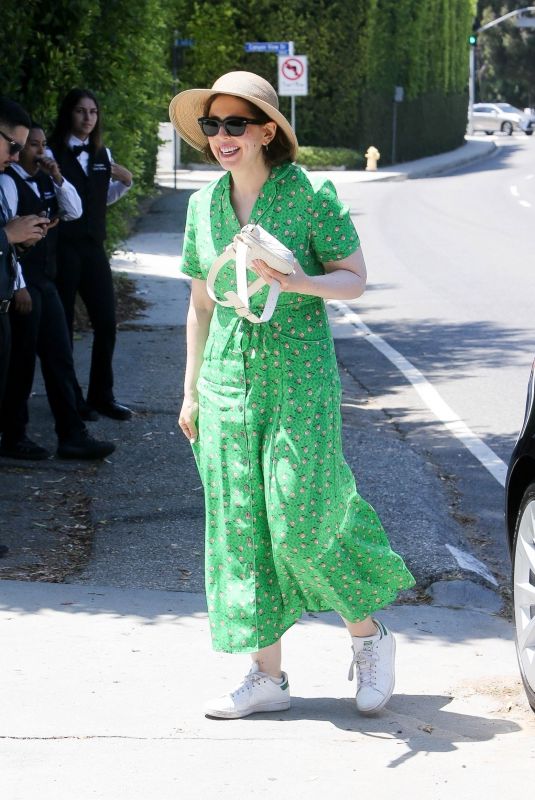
<point x="333" y="234"/>
<point x="190" y="260"/>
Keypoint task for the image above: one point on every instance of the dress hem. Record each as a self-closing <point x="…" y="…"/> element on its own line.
<point x="369" y="613"/>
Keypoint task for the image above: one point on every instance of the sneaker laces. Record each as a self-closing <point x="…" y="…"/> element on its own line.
<point x="365" y="661"/>
<point x="247" y="683"/>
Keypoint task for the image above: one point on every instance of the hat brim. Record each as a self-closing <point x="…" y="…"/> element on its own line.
<point x="186" y="108"/>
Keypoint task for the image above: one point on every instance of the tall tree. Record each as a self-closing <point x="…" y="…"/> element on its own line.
<point x="506" y="57"/>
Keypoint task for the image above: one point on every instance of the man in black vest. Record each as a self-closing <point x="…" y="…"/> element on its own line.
<point x="35" y="185"/>
<point x="14" y="125"/>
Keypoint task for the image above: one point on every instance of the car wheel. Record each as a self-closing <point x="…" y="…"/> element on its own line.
<point x="524" y="591"/>
<point x="507" y="128"/>
<point x="529" y="133"/>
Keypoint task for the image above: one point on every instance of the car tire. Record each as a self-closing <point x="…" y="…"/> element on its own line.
<point x="529" y="133"/>
<point x="523" y="579"/>
<point x="507" y="128"/>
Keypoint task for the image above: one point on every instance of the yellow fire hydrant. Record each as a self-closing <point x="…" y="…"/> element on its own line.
<point x="372" y="156"/>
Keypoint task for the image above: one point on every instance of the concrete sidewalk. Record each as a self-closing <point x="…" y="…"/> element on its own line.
<point x="102" y="691"/>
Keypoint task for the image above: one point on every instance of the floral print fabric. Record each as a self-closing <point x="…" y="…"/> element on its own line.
<point x="286" y="530"/>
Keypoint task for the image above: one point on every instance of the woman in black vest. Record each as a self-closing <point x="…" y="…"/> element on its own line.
<point x="82" y="263"/>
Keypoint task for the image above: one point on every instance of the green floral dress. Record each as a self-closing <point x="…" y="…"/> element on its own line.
<point x="286" y="530"/>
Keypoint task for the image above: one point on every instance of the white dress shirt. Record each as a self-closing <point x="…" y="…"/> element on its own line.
<point x="70" y="205"/>
<point x="116" y="189"/>
<point x="8" y="214"/>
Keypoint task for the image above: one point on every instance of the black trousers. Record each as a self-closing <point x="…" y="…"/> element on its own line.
<point x="5" y="348"/>
<point x="83" y="267"/>
<point x="41" y="333"/>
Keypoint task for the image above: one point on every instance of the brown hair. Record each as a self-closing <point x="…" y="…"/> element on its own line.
<point x="279" y="150"/>
<point x="62" y="130"/>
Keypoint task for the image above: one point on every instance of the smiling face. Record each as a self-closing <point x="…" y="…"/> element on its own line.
<point x="84" y="117"/>
<point x="239" y="153"/>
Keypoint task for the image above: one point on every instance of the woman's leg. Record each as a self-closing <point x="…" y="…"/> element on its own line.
<point x="366" y="627"/>
<point x="269" y="659"/>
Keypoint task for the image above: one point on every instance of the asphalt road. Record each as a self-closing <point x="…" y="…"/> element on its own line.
<point x="450" y="288"/>
<point x="452" y="282"/>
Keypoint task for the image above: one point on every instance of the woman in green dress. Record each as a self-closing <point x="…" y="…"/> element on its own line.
<point x="286" y="530"/>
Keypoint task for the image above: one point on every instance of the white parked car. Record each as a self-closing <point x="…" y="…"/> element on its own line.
<point x="492" y="117"/>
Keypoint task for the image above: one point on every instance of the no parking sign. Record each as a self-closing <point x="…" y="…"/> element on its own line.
<point x="293" y="76"/>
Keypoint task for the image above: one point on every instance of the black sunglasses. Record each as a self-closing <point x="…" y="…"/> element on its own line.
<point x="234" y="126"/>
<point x="14" y="147"/>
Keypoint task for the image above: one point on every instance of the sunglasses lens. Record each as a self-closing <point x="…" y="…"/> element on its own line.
<point x="14" y="148"/>
<point x="209" y="127"/>
<point x="235" y="127"/>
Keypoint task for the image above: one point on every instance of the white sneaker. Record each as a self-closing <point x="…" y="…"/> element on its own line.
<point x="257" y="692"/>
<point x="373" y="657"/>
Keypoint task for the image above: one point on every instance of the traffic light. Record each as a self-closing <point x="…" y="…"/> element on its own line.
<point x="472" y="40"/>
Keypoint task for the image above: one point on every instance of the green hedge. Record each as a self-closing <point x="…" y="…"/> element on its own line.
<point x="358" y="51"/>
<point x="118" y="49"/>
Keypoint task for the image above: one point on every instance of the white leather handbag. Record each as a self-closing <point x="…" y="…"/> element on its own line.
<point x="252" y="242"/>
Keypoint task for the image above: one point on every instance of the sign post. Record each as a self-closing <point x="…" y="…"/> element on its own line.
<point x="398" y="98"/>
<point x="292" y="70"/>
<point x="293" y="79"/>
<point x="178" y="45"/>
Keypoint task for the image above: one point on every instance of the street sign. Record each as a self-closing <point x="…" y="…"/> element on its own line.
<point x="398" y="94"/>
<point x="293" y="76"/>
<point x="184" y="42"/>
<point x="281" y="48"/>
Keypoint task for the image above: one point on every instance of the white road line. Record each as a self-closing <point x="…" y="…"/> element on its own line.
<point x="514" y="190"/>
<point x="468" y="561"/>
<point x="484" y="454"/>
<point x="524" y="203"/>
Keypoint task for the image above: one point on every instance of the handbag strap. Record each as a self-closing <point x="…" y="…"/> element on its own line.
<point x="239" y="300"/>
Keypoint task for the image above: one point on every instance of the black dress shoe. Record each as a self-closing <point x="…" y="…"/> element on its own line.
<point x="24" y="448"/>
<point x="84" y="446"/>
<point x="113" y="410"/>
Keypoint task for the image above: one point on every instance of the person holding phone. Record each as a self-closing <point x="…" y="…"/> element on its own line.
<point x="36" y="186"/>
<point x="83" y="264"/>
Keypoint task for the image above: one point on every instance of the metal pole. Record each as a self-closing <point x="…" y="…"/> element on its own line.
<point x="394" y="131"/>
<point x="471" y="88"/>
<point x="292" y="98"/>
<point x="175" y="137"/>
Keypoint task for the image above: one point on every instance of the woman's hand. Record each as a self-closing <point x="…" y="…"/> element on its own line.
<point x="188" y="418"/>
<point x="297" y="281"/>
<point x="119" y="173"/>
<point x="344" y="279"/>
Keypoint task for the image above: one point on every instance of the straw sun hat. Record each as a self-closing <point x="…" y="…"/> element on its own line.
<point x="188" y="106"/>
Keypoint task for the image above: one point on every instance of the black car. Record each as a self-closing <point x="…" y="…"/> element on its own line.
<point x="520" y="526"/>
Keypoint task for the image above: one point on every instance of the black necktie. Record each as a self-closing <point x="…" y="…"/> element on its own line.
<point x="79" y="148"/>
